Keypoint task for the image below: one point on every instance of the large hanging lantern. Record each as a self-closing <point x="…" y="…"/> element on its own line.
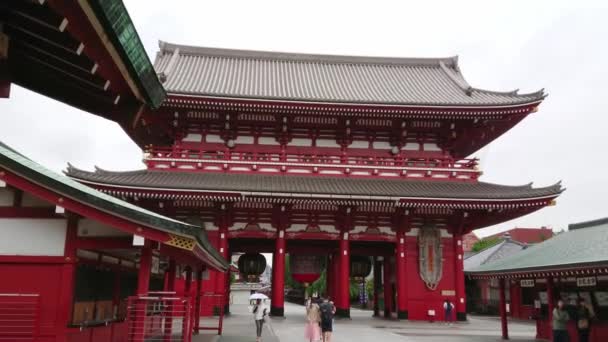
<point x="360" y="266"/>
<point x="251" y="265"/>
<point x="306" y="269"/>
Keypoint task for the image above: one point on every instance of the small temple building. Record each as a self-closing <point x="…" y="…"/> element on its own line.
<point x="570" y="266"/>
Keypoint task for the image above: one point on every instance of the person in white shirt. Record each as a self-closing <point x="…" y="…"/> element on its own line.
<point x="259" y="312"/>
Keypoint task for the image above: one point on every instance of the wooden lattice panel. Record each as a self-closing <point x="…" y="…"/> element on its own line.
<point x="181" y="242"/>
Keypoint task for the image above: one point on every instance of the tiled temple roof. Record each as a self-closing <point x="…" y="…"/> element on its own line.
<point x="584" y="245"/>
<point x="324" y="78"/>
<point x="306" y="185"/>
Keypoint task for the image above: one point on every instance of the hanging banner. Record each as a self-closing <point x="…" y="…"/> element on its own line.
<point x="430" y="256"/>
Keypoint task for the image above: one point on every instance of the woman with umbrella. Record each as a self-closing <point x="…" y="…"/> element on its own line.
<point x="259" y="312"/>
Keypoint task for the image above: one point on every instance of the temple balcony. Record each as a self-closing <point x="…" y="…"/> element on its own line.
<point x="321" y="164"/>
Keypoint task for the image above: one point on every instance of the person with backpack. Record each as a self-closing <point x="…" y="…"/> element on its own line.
<point x="259" y="313"/>
<point x="448" y="308"/>
<point x="327" y="316"/>
<point x="584" y="315"/>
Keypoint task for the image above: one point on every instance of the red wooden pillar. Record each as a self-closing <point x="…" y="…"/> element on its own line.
<point x="68" y="271"/>
<point x="188" y="282"/>
<point x="401" y="276"/>
<point x="503" y="310"/>
<point x="460" y="305"/>
<point x="116" y="290"/>
<point x="169" y="287"/>
<point x="277" y="305"/>
<point x="143" y="285"/>
<point x="5" y="79"/>
<point x="343" y="280"/>
<point x="197" y="301"/>
<point x="377" y="285"/>
<point x="550" y="305"/>
<point x="335" y="269"/>
<point x="388" y="288"/>
<point x="223" y="277"/>
<point x="145" y="267"/>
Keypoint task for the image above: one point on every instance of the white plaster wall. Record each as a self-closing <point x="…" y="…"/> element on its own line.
<point x="6" y="197"/>
<point x="87" y="227"/>
<point x="34" y="237"/>
<point x="32" y="201"/>
<point x="193" y="137"/>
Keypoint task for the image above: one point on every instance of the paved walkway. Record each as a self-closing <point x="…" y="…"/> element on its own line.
<point x="239" y="327"/>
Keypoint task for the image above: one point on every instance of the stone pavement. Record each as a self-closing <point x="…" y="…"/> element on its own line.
<point x="239" y="327"/>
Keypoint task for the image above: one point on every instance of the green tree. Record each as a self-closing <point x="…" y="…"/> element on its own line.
<point x="484" y="243"/>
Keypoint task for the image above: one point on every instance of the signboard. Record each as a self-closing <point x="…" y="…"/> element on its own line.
<point x="543" y="297"/>
<point x="448" y="293"/>
<point x="601" y="298"/>
<point x="526" y="283"/>
<point x="586" y="281"/>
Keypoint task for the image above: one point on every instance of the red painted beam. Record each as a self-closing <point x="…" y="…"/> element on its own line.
<point x="29" y="212"/>
<point x="104" y="243"/>
<point x="18" y="259"/>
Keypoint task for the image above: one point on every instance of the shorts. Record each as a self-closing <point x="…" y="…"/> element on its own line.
<point x="326" y="326"/>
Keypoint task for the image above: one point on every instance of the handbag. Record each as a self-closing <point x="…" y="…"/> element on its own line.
<point x="583" y="323"/>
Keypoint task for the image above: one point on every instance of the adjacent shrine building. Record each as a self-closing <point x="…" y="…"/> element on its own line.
<point x="335" y="156"/>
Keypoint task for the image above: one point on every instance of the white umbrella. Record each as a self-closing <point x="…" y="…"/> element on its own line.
<point x="258" y="296"/>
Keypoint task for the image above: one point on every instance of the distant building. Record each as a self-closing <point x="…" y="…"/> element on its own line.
<point x="468" y="240"/>
<point x="527" y="235"/>
<point x="482" y="294"/>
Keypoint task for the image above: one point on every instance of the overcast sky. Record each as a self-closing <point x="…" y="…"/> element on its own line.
<point x="557" y="45"/>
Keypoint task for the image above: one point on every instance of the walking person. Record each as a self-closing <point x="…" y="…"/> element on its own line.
<point x="313" y="317"/>
<point x="448" y="309"/>
<point x="584" y="314"/>
<point x="259" y="312"/>
<point x="328" y="311"/>
<point x="560" y="323"/>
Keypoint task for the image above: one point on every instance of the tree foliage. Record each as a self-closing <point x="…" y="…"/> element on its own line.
<point x="484" y="243"/>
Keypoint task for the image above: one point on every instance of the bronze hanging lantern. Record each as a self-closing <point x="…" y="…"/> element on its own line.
<point x="360" y="267"/>
<point x="251" y="265"/>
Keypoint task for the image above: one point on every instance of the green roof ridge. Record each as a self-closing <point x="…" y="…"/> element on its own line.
<point x="116" y="21"/>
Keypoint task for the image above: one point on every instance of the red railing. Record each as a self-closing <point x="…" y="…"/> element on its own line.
<point x="159" y="318"/>
<point x="212" y="312"/>
<point x="315" y="162"/>
<point x="19" y="317"/>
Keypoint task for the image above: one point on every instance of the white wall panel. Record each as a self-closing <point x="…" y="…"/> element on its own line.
<point x="30" y="200"/>
<point x="6" y="197"/>
<point x="35" y="237"/>
<point x="88" y="227"/>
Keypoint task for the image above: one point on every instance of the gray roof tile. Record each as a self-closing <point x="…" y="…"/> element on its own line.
<point x="323" y="78"/>
<point x="313" y="185"/>
<point x="583" y="245"/>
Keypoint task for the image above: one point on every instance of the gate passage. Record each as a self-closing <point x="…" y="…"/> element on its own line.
<point x="160" y="317"/>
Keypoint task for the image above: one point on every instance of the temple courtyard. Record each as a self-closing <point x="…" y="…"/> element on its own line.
<point x="239" y="327"/>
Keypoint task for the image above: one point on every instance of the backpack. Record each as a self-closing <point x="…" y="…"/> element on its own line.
<point x="326" y="312"/>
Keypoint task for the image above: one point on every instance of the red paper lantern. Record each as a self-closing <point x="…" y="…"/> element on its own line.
<point x="305" y="269"/>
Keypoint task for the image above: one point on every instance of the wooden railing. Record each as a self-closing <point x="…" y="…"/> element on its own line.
<point x="312" y="163"/>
